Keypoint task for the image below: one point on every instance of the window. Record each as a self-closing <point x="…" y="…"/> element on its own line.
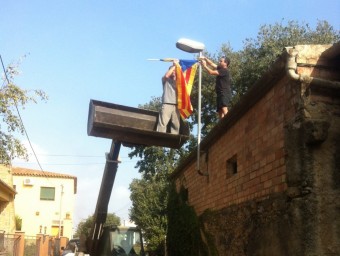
<point x="232" y="166"/>
<point x="55" y="230"/>
<point x="47" y="193"/>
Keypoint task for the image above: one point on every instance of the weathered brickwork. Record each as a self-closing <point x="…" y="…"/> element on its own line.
<point x="257" y="141"/>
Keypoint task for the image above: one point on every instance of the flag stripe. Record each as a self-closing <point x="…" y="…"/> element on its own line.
<point x="185" y="74"/>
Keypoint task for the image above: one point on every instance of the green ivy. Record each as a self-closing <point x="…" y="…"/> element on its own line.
<point x="18" y="223"/>
<point x="186" y="232"/>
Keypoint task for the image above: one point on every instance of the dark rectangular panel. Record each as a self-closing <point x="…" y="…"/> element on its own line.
<point x="132" y="126"/>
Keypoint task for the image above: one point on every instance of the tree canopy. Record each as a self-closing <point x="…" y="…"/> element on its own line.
<point x="84" y="227"/>
<point x="148" y="194"/>
<point x="149" y="199"/>
<point x="13" y="98"/>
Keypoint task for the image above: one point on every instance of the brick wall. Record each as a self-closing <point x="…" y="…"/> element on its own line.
<point x="256" y="143"/>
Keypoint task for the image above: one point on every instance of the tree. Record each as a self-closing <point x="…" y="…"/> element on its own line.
<point x="259" y="53"/>
<point x="84" y="227"/>
<point x="149" y="200"/>
<point x="18" y="222"/>
<point x="12" y="97"/>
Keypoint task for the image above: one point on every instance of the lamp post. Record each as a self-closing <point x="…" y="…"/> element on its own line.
<point x="60" y="207"/>
<point x="191" y="46"/>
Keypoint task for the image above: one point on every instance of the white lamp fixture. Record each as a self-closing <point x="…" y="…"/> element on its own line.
<point x="190" y="46"/>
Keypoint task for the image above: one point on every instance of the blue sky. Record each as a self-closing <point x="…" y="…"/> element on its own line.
<point x="81" y="50"/>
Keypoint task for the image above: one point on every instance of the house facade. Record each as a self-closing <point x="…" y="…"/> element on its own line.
<point x="44" y="201"/>
<point x="7" y="195"/>
<point x="268" y="177"/>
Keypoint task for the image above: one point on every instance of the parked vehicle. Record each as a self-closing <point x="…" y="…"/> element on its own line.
<point x="121" y="241"/>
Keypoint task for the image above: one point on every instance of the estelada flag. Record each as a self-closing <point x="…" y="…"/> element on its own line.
<point x="185" y="74"/>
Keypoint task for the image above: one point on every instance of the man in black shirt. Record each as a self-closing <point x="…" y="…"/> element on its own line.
<point x="223" y="82"/>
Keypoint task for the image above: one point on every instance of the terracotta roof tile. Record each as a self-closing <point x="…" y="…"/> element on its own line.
<point x="18" y="171"/>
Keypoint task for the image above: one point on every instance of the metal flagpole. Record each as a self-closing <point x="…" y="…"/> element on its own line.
<point x="199" y="115"/>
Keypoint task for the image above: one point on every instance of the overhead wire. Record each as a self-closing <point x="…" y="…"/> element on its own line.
<point x="22" y="123"/>
<point x="62" y="155"/>
<point x="123" y="208"/>
<point x="29" y="141"/>
<point x="69" y="164"/>
<point x="78" y="156"/>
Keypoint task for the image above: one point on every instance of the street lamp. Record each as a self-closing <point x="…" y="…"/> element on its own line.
<point x="191" y="46"/>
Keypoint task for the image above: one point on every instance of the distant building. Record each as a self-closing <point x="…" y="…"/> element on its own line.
<point x="44" y="201"/>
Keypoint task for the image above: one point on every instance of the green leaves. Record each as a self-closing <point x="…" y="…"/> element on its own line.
<point x="258" y="54"/>
<point x="84" y="227"/>
<point x="149" y="200"/>
<point x="12" y="97"/>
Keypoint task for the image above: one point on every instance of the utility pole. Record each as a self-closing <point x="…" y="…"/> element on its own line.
<point x="61" y="200"/>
